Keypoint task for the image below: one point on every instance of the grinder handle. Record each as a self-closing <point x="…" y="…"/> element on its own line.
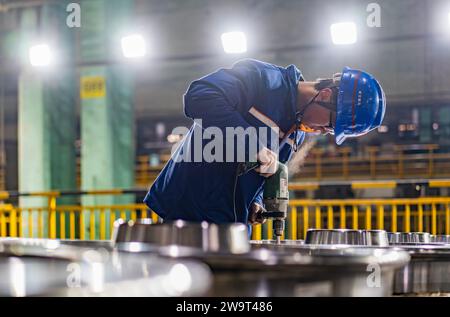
<point x="270" y="214"/>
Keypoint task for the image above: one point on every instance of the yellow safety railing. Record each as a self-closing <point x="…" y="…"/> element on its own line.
<point x="341" y="164"/>
<point x="430" y="214"/>
<point x="337" y="164"/>
<point x="68" y="222"/>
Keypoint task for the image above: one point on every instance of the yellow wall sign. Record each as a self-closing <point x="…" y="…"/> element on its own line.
<point x="92" y="87"/>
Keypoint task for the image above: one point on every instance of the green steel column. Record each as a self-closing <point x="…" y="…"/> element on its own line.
<point x="444" y="123"/>
<point x="425" y="125"/>
<point x="47" y="118"/>
<point x="106" y="92"/>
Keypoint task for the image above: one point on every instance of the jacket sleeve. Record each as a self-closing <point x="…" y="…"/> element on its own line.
<point x="259" y="197"/>
<point x="220" y="98"/>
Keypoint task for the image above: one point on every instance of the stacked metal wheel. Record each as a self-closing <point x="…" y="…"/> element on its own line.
<point x="262" y="268"/>
<point x="429" y="269"/>
<point x="221" y="261"/>
<point x="428" y="272"/>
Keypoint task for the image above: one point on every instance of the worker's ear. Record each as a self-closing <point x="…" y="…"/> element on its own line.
<point x="325" y="95"/>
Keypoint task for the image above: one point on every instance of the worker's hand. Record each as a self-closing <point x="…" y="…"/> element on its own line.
<point x="268" y="162"/>
<point x="255" y="215"/>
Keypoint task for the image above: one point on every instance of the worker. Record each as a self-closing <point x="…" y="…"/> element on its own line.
<point x="257" y="94"/>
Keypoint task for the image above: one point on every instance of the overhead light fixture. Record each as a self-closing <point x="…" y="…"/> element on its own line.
<point x="134" y="46"/>
<point x="40" y="55"/>
<point x="234" y="42"/>
<point x="344" y="33"/>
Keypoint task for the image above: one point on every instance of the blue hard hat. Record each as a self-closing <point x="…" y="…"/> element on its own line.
<point x="361" y="105"/>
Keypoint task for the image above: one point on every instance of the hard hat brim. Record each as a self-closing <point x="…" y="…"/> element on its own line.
<point x="339" y="138"/>
<point x="361" y="105"/>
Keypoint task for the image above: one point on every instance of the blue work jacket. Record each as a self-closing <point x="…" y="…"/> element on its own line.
<point x="249" y="94"/>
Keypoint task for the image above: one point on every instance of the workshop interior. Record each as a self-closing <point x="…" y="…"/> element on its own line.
<point x="118" y="176"/>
